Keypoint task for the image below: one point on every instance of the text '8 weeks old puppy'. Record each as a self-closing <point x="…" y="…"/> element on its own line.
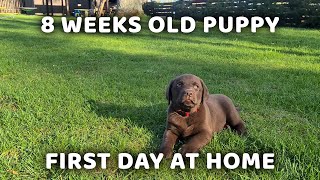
<point x="194" y="115"/>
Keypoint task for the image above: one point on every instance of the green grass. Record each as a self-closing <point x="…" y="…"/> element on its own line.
<point x="106" y="93"/>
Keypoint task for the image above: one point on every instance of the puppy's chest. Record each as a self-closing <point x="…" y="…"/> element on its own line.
<point x="194" y="123"/>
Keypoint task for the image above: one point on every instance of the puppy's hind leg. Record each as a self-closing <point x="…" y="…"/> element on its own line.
<point x="240" y="128"/>
<point x="235" y="122"/>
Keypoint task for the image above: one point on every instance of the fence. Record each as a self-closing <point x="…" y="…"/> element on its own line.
<point x="10" y="6"/>
<point x="291" y="13"/>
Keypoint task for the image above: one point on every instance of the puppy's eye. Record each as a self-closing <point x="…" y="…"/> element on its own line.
<point x="179" y="84"/>
<point x="196" y="87"/>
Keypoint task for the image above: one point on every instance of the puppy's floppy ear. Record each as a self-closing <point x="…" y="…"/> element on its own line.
<point x="169" y="93"/>
<point x="205" y="91"/>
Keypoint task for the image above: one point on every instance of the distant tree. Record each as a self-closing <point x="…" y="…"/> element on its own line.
<point x="131" y="5"/>
<point x="100" y="7"/>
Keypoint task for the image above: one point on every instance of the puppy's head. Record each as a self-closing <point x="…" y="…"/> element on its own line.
<point x="186" y="92"/>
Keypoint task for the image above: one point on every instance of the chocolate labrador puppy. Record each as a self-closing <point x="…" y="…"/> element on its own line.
<point x="194" y="115"/>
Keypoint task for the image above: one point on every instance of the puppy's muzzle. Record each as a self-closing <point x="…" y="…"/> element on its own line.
<point x="188" y="97"/>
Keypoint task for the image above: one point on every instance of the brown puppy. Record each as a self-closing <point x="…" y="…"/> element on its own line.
<point x="194" y="115"/>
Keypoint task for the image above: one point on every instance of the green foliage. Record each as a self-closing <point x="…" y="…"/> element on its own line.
<point x="181" y="8"/>
<point x="148" y="8"/>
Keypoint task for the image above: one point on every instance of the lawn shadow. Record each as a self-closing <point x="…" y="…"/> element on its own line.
<point x="11" y="23"/>
<point x="152" y="117"/>
<point x="272" y="46"/>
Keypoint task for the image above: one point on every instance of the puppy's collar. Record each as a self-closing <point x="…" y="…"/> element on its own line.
<point x="185" y="114"/>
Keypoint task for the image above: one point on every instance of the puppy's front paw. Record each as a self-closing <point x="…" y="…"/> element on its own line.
<point x="166" y="154"/>
<point x="187" y="149"/>
<point x="184" y="150"/>
<point x="188" y="131"/>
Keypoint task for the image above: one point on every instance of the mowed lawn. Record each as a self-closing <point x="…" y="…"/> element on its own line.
<point x="106" y="93"/>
